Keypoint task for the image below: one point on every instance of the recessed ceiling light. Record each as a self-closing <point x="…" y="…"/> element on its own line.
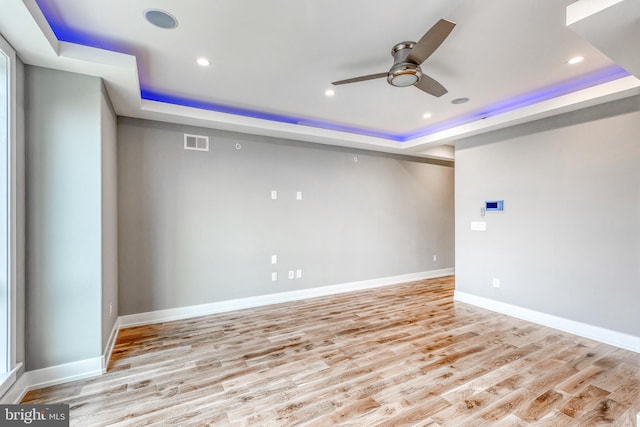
<point x="576" y="60"/>
<point x="426" y="116"/>
<point x="160" y="19"/>
<point x="203" y="62"/>
<point x="329" y="92"/>
<point x="460" y="100"/>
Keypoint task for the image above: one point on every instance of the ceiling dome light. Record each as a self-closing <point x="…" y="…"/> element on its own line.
<point x="426" y="116"/>
<point x="329" y="92"/>
<point x="576" y="60"/>
<point x="160" y="19"/>
<point x="203" y="62"/>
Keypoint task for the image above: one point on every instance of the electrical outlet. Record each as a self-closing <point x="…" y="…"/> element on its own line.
<point x="274" y="276"/>
<point x="299" y="195"/>
<point x="435" y="258"/>
<point x="274" y="195"/>
<point x="496" y="282"/>
<point x="299" y="273"/>
<point x="274" y="259"/>
<point x="110" y="308"/>
<point x="292" y="274"/>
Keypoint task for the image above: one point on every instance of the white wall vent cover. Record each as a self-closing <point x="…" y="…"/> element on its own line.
<point x="196" y="142"/>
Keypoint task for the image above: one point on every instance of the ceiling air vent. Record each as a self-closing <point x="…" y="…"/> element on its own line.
<point x="196" y="142"/>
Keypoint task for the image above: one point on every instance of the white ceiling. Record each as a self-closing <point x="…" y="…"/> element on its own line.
<point x="272" y="60"/>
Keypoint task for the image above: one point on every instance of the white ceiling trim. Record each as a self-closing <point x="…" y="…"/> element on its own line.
<point x="585" y="8"/>
<point x="611" y="26"/>
<point x="200" y="117"/>
<point x="610" y="91"/>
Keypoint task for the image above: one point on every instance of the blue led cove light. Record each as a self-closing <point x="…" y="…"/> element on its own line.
<point x="65" y="34"/>
<point x="544" y="94"/>
<point x="150" y="95"/>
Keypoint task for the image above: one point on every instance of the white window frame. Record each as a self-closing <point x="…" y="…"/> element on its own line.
<point x="9" y="377"/>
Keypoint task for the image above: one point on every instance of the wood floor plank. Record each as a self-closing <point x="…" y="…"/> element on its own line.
<point x="577" y="406"/>
<point x="400" y="355"/>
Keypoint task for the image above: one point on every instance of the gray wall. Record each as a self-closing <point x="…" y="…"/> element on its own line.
<point x="64" y="217"/>
<point x="200" y="227"/>
<point x="568" y="241"/>
<point x="109" y="169"/>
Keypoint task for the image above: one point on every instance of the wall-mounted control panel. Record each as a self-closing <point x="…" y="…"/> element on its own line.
<point x="494" y="205"/>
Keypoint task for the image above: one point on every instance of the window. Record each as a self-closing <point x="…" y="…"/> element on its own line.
<point x="7" y="217"/>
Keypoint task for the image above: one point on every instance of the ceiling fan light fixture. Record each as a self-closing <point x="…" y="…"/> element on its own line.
<point x="404" y="75"/>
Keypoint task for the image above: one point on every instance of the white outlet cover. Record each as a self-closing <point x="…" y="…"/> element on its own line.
<point x="299" y="195"/>
<point x="298" y="274"/>
<point x="478" y="226"/>
<point x="274" y="276"/>
<point x="274" y="259"/>
<point x="292" y="274"/>
<point x="274" y="195"/>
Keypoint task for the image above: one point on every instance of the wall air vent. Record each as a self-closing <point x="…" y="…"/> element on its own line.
<point x="196" y="142"/>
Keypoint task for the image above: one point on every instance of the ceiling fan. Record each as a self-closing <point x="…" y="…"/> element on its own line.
<point x="407" y="57"/>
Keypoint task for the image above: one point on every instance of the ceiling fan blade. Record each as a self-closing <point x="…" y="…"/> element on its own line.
<point x="431" y="41"/>
<point x="431" y="86"/>
<point x="360" y="79"/>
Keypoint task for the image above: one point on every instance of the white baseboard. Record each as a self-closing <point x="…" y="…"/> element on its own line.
<point x="262" y="300"/>
<point x="607" y="336"/>
<point x="53" y="375"/>
<point x="8" y="379"/>
<point x="106" y="356"/>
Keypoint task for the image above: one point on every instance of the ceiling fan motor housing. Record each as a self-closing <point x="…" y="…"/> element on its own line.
<point x="403" y="73"/>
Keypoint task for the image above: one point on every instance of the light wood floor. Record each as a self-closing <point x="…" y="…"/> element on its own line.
<point x="401" y="355"/>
